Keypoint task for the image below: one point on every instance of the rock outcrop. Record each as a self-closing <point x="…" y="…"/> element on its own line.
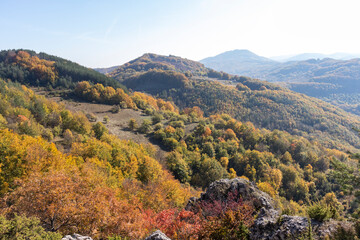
<point x="157" y="235"/>
<point x="269" y="224"/>
<point x="76" y="237"/>
<point x="248" y="191"/>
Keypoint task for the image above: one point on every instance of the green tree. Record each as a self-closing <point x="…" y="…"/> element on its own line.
<point x="24" y="228"/>
<point x="178" y="166"/>
<point x="145" y="126"/>
<point x="99" y="130"/>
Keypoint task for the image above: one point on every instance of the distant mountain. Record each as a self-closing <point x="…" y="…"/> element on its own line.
<point x="307" y="56"/>
<point x="239" y="62"/>
<point x="105" y="70"/>
<point x="327" y="77"/>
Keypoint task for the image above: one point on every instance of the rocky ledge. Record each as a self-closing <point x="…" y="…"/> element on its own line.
<point x="270" y="224"/>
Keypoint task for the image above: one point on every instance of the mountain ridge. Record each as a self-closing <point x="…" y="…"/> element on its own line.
<point x="333" y="80"/>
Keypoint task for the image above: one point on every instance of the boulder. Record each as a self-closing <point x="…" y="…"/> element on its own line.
<point x="76" y="237"/>
<point x="248" y="191"/>
<point x="270" y="225"/>
<point x="157" y="235"/>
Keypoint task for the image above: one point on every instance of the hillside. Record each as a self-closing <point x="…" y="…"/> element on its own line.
<point x="201" y="150"/>
<point x="63" y="159"/>
<point x="264" y="104"/>
<point x="40" y="69"/>
<point x="335" y="81"/>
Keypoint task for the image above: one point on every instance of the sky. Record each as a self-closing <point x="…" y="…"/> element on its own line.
<point x="107" y="33"/>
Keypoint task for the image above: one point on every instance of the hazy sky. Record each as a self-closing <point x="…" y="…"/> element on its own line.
<point x="105" y="33"/>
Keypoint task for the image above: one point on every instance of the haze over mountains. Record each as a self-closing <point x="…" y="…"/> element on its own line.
<point x="306" y="56"/>
<point x="331" y="79"/>
<point x="242" y="61"/>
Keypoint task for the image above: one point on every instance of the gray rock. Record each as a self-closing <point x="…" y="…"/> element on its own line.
<point x="269" y="226"/>
<point x="76" y="237"/>
<point x="248" y="191"/>
<point x="157" y="235"/>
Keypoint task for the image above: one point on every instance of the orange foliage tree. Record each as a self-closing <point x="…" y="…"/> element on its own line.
<point x="44" y="69"/>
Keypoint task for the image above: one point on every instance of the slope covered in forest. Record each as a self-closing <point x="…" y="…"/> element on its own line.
<point x="264" y="104"/>
<point x="87" y="180"/>
<point x="41" y="69"/>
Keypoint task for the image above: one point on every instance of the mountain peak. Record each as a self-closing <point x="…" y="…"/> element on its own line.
<point x="232" y="61"/>
<point x="238" y="54"/>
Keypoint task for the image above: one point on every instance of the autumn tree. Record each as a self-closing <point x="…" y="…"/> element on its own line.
<point x="132" y="124"/>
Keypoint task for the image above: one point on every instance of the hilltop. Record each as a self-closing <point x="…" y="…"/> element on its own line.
<point x="150" y="61"/>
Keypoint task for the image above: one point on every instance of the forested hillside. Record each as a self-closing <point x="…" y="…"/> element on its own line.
<point x="264" y="104"/>
<point x="63" y="172"/>
<point x="293" y="170"/>
<point x="41" y="69"/>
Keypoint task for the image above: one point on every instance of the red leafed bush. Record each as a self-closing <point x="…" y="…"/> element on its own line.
<point x="228" y="218"/>
<point x="178" y="224"/>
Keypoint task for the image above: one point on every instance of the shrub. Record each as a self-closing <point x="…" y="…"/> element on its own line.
<point x="157" y="118"/>
<point x="319" y="212"/>
<point x="106" y="119"/>
<point x="158" y="126"/>
<point x="170" y="143"/>
<point x="229" y="218"/>
<point x="123" y="104"/>
<point x="91" y="117"/>
<point x="68" y="137"/>
<point x="145" y="126"/>
<point x="132" y="124"/>
<point x="47" y="134"/>
<point x="115" y="109"/>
